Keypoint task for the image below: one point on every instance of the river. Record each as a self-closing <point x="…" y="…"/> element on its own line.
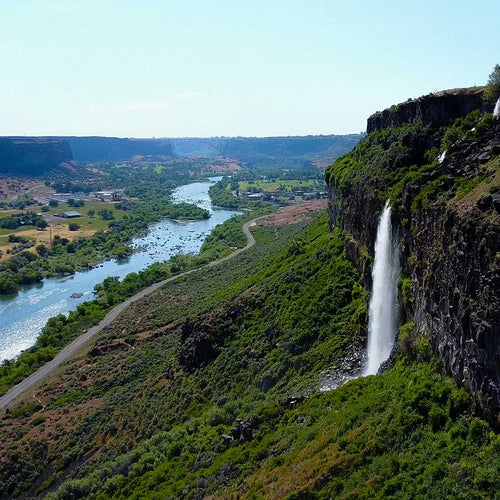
<point x="23" y="316"/>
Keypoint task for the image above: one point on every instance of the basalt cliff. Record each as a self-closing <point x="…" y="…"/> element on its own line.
<point x="437" y="159"/>
<point x="32" y="155"/>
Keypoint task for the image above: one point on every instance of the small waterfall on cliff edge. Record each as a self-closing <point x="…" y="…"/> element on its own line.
<point x="383" y="317"/>
<point x="496" y="111"/>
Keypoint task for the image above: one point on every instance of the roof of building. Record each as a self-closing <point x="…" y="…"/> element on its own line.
<point x="71" y="213"/>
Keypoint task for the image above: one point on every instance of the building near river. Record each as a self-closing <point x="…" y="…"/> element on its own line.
<point x="72" y="214"/>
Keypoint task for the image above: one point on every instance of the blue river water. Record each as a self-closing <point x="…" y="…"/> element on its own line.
<point x="23" y="316"/>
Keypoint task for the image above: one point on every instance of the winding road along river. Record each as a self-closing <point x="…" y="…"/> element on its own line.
<point x="23" y="316"/>
<point x="71" y="349"/>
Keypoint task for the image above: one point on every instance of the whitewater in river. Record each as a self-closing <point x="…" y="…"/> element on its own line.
<point x="383" y="313"/>
<point x="23" y="316"/>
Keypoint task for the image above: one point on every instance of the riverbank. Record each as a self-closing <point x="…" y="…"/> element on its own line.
<point x="83" y="339"/>
<point x="289" y="215"/>
<point x="23" y="316"/>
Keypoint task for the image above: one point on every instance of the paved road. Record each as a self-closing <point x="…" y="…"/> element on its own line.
<point x="71" y="349"/>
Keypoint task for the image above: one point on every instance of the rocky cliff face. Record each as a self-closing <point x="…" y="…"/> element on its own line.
<point x="95" y="149"/>
<point x="32" y="156"/>
<point x="436" y="109"/>
<point x="450" y="251"/>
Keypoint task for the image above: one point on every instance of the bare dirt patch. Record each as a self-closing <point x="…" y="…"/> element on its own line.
<point x="294" y="214"/>
<point x="223" y="165"/>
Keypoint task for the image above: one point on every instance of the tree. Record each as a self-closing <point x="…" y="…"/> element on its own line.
<point x="106" y="214"/>
<point x="73" y="226"/>
<point x="42" y="250"/>
<point x="91" y="212"/>
<point x="41" y="223"/>
<point x="53" y="203"/>
<point x="492" y="91"/>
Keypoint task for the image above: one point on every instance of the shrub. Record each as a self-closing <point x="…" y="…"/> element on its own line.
<point x="408" y="340"/>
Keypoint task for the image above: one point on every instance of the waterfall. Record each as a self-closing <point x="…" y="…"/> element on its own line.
<point x="383" y="317"/>
<point x="496" y="111"/>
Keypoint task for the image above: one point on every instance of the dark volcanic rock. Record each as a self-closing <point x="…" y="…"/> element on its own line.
<point x="451" y="254"/>
<point x="198" y="348"/>
<point x="438" y="108"/>
<point x="32" y="156"/>
<point x="245" y="429"/>
<point x="93" y="149"/>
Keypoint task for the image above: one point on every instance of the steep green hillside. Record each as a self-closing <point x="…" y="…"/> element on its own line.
<point x="199" y="390"/>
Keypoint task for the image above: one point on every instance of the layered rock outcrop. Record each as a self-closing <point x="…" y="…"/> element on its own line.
<point x="32" y="156"/>
<point x="436" y="109"/>
<point x="95" y="149"/>
<point x="450" y="253"/>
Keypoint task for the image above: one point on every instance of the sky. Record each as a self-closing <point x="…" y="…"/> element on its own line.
<point x="202" y="68"/>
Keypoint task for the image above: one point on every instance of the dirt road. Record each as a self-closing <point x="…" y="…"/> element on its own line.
<point x="287" y="215"/>
<point x="71" y="349"/>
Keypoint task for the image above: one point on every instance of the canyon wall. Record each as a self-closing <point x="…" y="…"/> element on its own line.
<point x="32" y="156"/>
<point x="436" y="109"/>
<point x="450" y="244"/>
<point x="96" y="149"/>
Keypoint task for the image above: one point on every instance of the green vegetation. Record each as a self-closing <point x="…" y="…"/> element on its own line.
<point x="221" y="196"/>
<point x="274" y="314"/>
<point x="17" y="204"/>
<point x="407" y="433"/>
<point x="281" y="185"/>
<point x="14" y="221"/>
<point x="245" y="337"/>
<point x="396" y="157"/>
<point x="61" y="329"/>
<point x="492" y="90"/>
<point x="115" y="226"/>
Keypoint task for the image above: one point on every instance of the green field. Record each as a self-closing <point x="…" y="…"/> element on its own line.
<point x="272" y="187"/>
<point x="6" y="232"/>
<point x="86" y="222"/>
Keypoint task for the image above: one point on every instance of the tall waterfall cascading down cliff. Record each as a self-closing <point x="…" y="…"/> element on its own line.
<point x="383" y="313"/>
<point x="496" y="111"/>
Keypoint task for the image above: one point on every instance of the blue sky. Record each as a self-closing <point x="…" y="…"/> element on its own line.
<point x="156" y="68"/>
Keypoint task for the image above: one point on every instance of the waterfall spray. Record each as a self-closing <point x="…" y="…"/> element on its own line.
<point x="383" y="317"/>
<point x="496" y="111"/>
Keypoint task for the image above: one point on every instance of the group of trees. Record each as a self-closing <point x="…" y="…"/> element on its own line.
<point x="23" y="219"/>
<point x="19" y="204"/>
<point x="75" y="203"/>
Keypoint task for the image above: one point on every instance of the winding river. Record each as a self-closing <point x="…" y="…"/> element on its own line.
<point x="23" y="316"/>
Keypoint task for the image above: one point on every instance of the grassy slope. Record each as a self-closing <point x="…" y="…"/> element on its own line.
<point x="143" y="424"/>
